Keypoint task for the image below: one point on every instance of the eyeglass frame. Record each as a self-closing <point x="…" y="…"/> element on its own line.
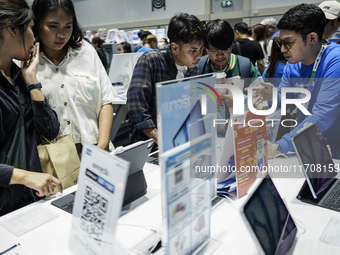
<point x="280" y="42"/>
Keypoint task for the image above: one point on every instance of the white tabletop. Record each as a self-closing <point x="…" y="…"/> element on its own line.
<point x="140" y="229"/>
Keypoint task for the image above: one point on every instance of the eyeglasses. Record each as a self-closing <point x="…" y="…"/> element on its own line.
<point x="285" y="43"/>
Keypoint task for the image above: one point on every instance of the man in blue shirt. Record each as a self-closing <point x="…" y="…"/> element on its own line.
<point x="187" y="37"/>
<point x="301" y="30"/>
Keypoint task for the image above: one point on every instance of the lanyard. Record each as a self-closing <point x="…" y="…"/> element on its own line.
<point x="316" y="64"/>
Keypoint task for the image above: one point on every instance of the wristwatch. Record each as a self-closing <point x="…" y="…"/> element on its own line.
<point x="279" y="149"/>
<point x="34" y="86"/>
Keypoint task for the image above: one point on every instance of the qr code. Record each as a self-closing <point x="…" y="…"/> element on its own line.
<point x="93" y="215"/>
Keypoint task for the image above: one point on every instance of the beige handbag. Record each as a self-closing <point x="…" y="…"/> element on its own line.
<point x="60" y="159"/>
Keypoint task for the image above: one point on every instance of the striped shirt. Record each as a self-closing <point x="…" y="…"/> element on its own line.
<point x="141" y="96"/>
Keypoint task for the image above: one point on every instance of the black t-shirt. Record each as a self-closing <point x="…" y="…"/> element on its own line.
<point x="249" y="49"/>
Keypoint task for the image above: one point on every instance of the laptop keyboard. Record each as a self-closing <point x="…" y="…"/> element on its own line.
<point x="68" y="207"/>
<point x="306" y="246"/>
<point x="333" y="199"/>
<point x="155" y="161"/>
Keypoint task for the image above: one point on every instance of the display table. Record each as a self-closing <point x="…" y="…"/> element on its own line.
<point x="139" y="229"/>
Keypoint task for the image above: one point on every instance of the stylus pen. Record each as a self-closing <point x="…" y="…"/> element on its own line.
<point x="11" y="248"/>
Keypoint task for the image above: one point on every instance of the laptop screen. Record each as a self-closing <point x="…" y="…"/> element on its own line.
<point x="314" y="156"/>
<point x="270" y="220"/>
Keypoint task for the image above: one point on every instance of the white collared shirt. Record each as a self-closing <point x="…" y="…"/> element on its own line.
<point x="76" y="89"/>
<point x="182" y="70"/>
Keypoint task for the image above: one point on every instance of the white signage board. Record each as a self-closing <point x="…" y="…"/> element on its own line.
<point x="99" y="198"/>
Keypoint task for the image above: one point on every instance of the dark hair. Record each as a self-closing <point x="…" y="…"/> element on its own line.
<point x="98" y="41"/>
<point x="219" y="34"/>
<point x="15" y="13"/>
<point x="143" y="34"/>
<point x="42" y="7"/>
<point x="241" y="27"/>
<point x="275" y="57"/>
<point x="178" y="31"/>
<point x="304" y="19"/>
<point x="165" y="40"/>
<point x="126" y="47"/>
<point x="261" y="35"/>
<point x="250" y="31"/>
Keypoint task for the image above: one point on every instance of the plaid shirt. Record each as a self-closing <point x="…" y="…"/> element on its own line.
<point x="141" y="97"/>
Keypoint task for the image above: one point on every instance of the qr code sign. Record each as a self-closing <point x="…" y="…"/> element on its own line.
<point x="94" y="211"/>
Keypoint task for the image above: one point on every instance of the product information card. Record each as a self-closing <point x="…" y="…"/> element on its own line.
<point x="98" y="202"/>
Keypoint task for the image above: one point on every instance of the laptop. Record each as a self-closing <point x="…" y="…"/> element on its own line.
<point x="136" y="186"/>
<point x="321" y="188"/>
<point x="272" y="226"/>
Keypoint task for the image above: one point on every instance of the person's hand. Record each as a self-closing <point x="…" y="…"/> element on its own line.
<point x="44" y="184"/>
<point x="228" y="98"/>
<point x="30" y="67"/>
<point x="272" y="150"/>
<point x="263" y="93"/>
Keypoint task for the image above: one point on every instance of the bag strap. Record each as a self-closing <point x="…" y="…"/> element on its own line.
<point x="201" y="63"/>
<point x="56" y="139"/>
<point x="244" y="69"/>
<point x="238" y="48"/>
<point x="172" y="69"/>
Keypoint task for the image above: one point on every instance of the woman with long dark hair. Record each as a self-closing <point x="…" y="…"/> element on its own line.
<point x="260" y="34"/>
<point x="73" y="77"/>
<point x="24" y="112"/>
<point x="274" y="70"/>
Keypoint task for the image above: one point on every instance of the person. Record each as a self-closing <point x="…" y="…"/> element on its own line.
<point x="187" y="36"/>
<point x="259" y="33"/>
<point x="271" y="25"/>
<point x="142" y="34"/>
<point x="247" y="48"/>
<point x="97" y="43"/>
<point x="73" y="77"/>
<point x="124" y="47"/>
<point x="301" y="30"/>
<point x="164" y="41"/>
<point x="277" y="63"/>
<point x="24" y="112"/>
<point x="331" y="10"/>
<point x="220" y="38"/>
<point x="150" y="44"/>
